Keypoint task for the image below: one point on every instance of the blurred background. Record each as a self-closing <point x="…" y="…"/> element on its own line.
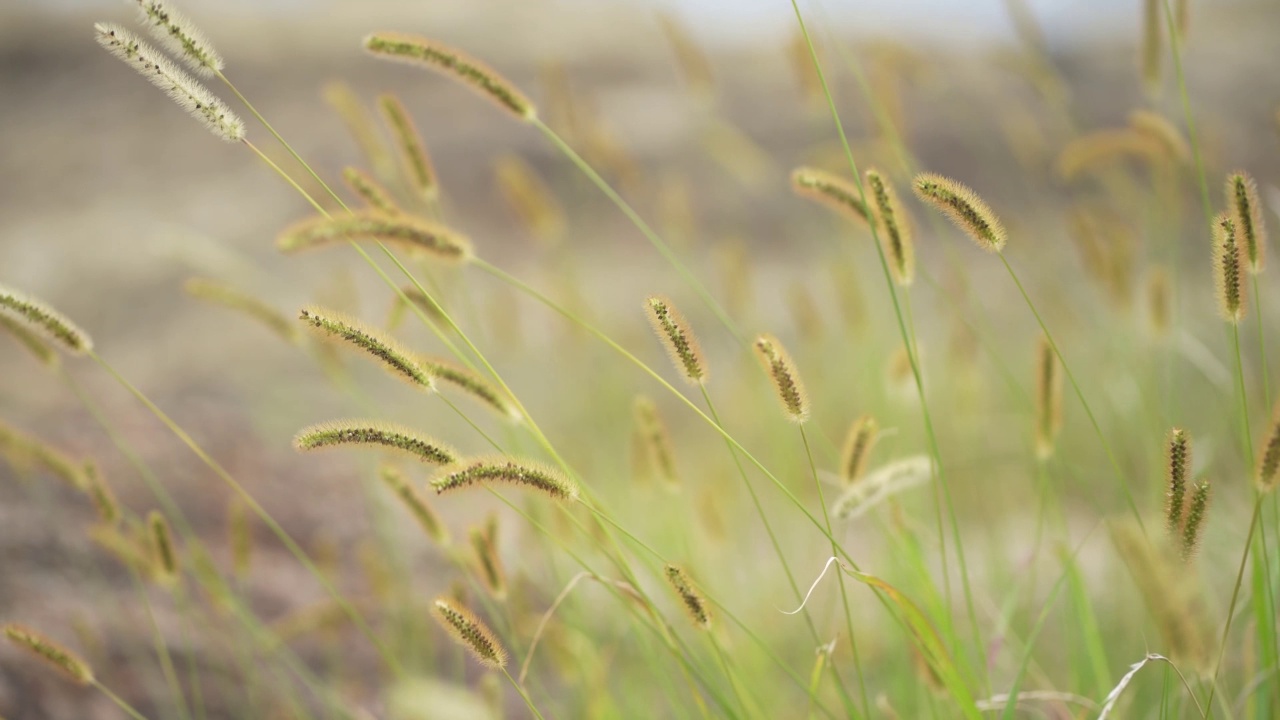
<point x="111" y="198"/>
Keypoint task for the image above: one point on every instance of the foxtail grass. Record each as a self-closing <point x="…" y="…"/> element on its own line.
<point x="394" y="359"/>
<point x="419" y="171"/>
<point x="45" y="320"/>
<point x="371" y="433"/>
<point x="677" y="337"/>
<point x="782" y="373"/>
<point x="410" y="234"/>
<point x="522" y="473"/>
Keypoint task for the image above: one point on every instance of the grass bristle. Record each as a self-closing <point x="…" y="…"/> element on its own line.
<point x="1229" y="269"/>
<point x="231" y="298"/>
<point x="183" y="89"/>
<point x="417" y="50"/>
<point x="412" y="234"/>
<point x="45" y="320"/>
<point x="678" y="338"/>
<point x="654" y="442"/>
<point x="858" y="444"/>
<point x="370" y="191"/>
<point x="340" y="433"/>
<point x="1246" y="213"/>
<point x="831" y="190"/>
<point x="470" y="632"/>
<point x="180" y="36"/>
<point x="415" y="161"/>
<point x="1048" y="398"/>
<point x="1177" y="473"/>
<point x="786" y="379"/>
<point x="693" y="601"/>
<point x="62" y="659"/>
<point x="963" y="207"/>
<point x="417" y="505"/>
<point x="395" y="359"/>
<point x="895" y="227"/>
<point x="524" y="473"/>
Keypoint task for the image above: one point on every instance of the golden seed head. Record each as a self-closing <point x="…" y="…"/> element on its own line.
<point x="534" y="476"/>
<point x="678" y="338"/>
<point x="231" y="298"/>
<point x="693" y="602"/>
<point x="470" y="632"/>
<point x="412" y="234"/>
<point x="183" y="89"/>
<point x="963" y="207"/>
<point x="1228" y="260"/>
<point x="1269" y="459"/>
<point x="180" y="36"/>
<point x="418" y="50"/>
<point x="395" y="359"/>
<point x="1246" y="212"/>
<point x="786" y="380"/>
<point x="378" y="434"/>
<point x="895" y="228"/>
<point x="47" y="650"/>
<point x="370" y="191"/>
<point x="431" y="523"/>
<point x="1177" y="472"/>
<point x="833" y="191"/>
<point x="415" y="161"/>
<point x="858" y="444"/>
<point x="43" y="319"/>
<point x="1193" y="523"/>
<point x="1048" y="398"/>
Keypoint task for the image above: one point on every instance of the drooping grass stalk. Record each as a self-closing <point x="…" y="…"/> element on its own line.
<point x="528" y="701"/>
<point x="118" y="701"/>
<point x="906" y="339"/>
<point x="357" y="618"/>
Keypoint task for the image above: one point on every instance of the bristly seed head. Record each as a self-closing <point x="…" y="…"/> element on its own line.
<point x="104" y="500"/>
<point x="162" y="549"/>
<point x="180" y="36"/>
<point x="183" y="89"/>
<point x="470" y="632"/>
<point x="1048" y="398"/>
<point x="417" y="505"/>
<point x="398" y="361"/>
<point x="370" y="191"/>
<point x="1228" y="260"/>
<point x="963" y="207"/>
<point x="786" y="380"/>
<point x="1269" y="460"/>
<point x="418" y="169"/>
<point x="412" y="234"/>
<point x="371" y="432"/>
<point x="858" y="445"/>
<point x="505" y="470"/>
<point x="472" y="384"/>
<point x="895" y="228"/>
<point x="1246" y="212"/>
<point x="1177" y="472"/>
<point x="693" y="602"/>
<point x="655" y="441"/>
<point x="831" y="190"/>
<point x="484" y="543"/>
<point x="45" y="320"/>
<point x="234" y="299"/>
<point x="417" y="50"/>
<point x="1193" y="523"/>
<point x="47" y="650"/>
<point x="28" y="338"/>
<point x="677" y="337"/>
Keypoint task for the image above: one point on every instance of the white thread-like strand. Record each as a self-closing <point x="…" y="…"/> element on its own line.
<point x="1114" y="696"/>
<point x="812" y="587"/>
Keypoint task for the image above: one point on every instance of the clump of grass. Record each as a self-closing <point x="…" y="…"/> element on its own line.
<point x="55" y="655"/>
<point x="784" y="376"/>
<point x="44" y="319"/>
<point x="469" y="632"/>
<point x="523" y="473"/>
<point x="417" y="50"/>
<point x="963" y="207"/>
<point x="412" y="234"/>
<point x="678" y="338"/>
<point x="341" y="433"/>
<point x="29" y="339"/>
<point x="693" y="602"/>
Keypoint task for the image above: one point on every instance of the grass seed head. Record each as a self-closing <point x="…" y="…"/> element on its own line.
<point x="33" y="341"/>
<point x="678" y="338"/>
<point x="484" y="544"/>
<point x="411" y="234"/>
<point x="530" y="199"/>
<point x="1159" y="300"/>
<point x="1177" y="472"/>
<point x="655" y="441"/>
<point x="534" y="476"/>
<point x="963" y="207"/>
<point x="786" y="379"/>
<point x="52" y="653"/>
<point x="693" y="601"/>
<point x="162" y="549"/>
<point x="1158" y="128"/>
<point x="831" y="190"/>
<point x="370" y="191"/>
<point x="417" y="50"/>
<point x="1246" y="212"/>
<point x="895" y="228"/>
<point x="183" y="89"/>
<point x="858" y="444"/>
<point x="45" y="320"/>
<point x="395" y="359"/>
<point x="472" y="384"/>
<point x="1193" y="523"/>
<point x="1048" y="398"/>
<point x="179" y="36"/>
<point x="104" y="499"/>
<point x="1269" y="460"/>
<point x="1229" y="270"/>
<point x="431" y="523"/>
<point x="376" y="434"/>
<point x="470" y="632"/>
<point x="416" y="162"/>
<point x="231" y="298"/>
